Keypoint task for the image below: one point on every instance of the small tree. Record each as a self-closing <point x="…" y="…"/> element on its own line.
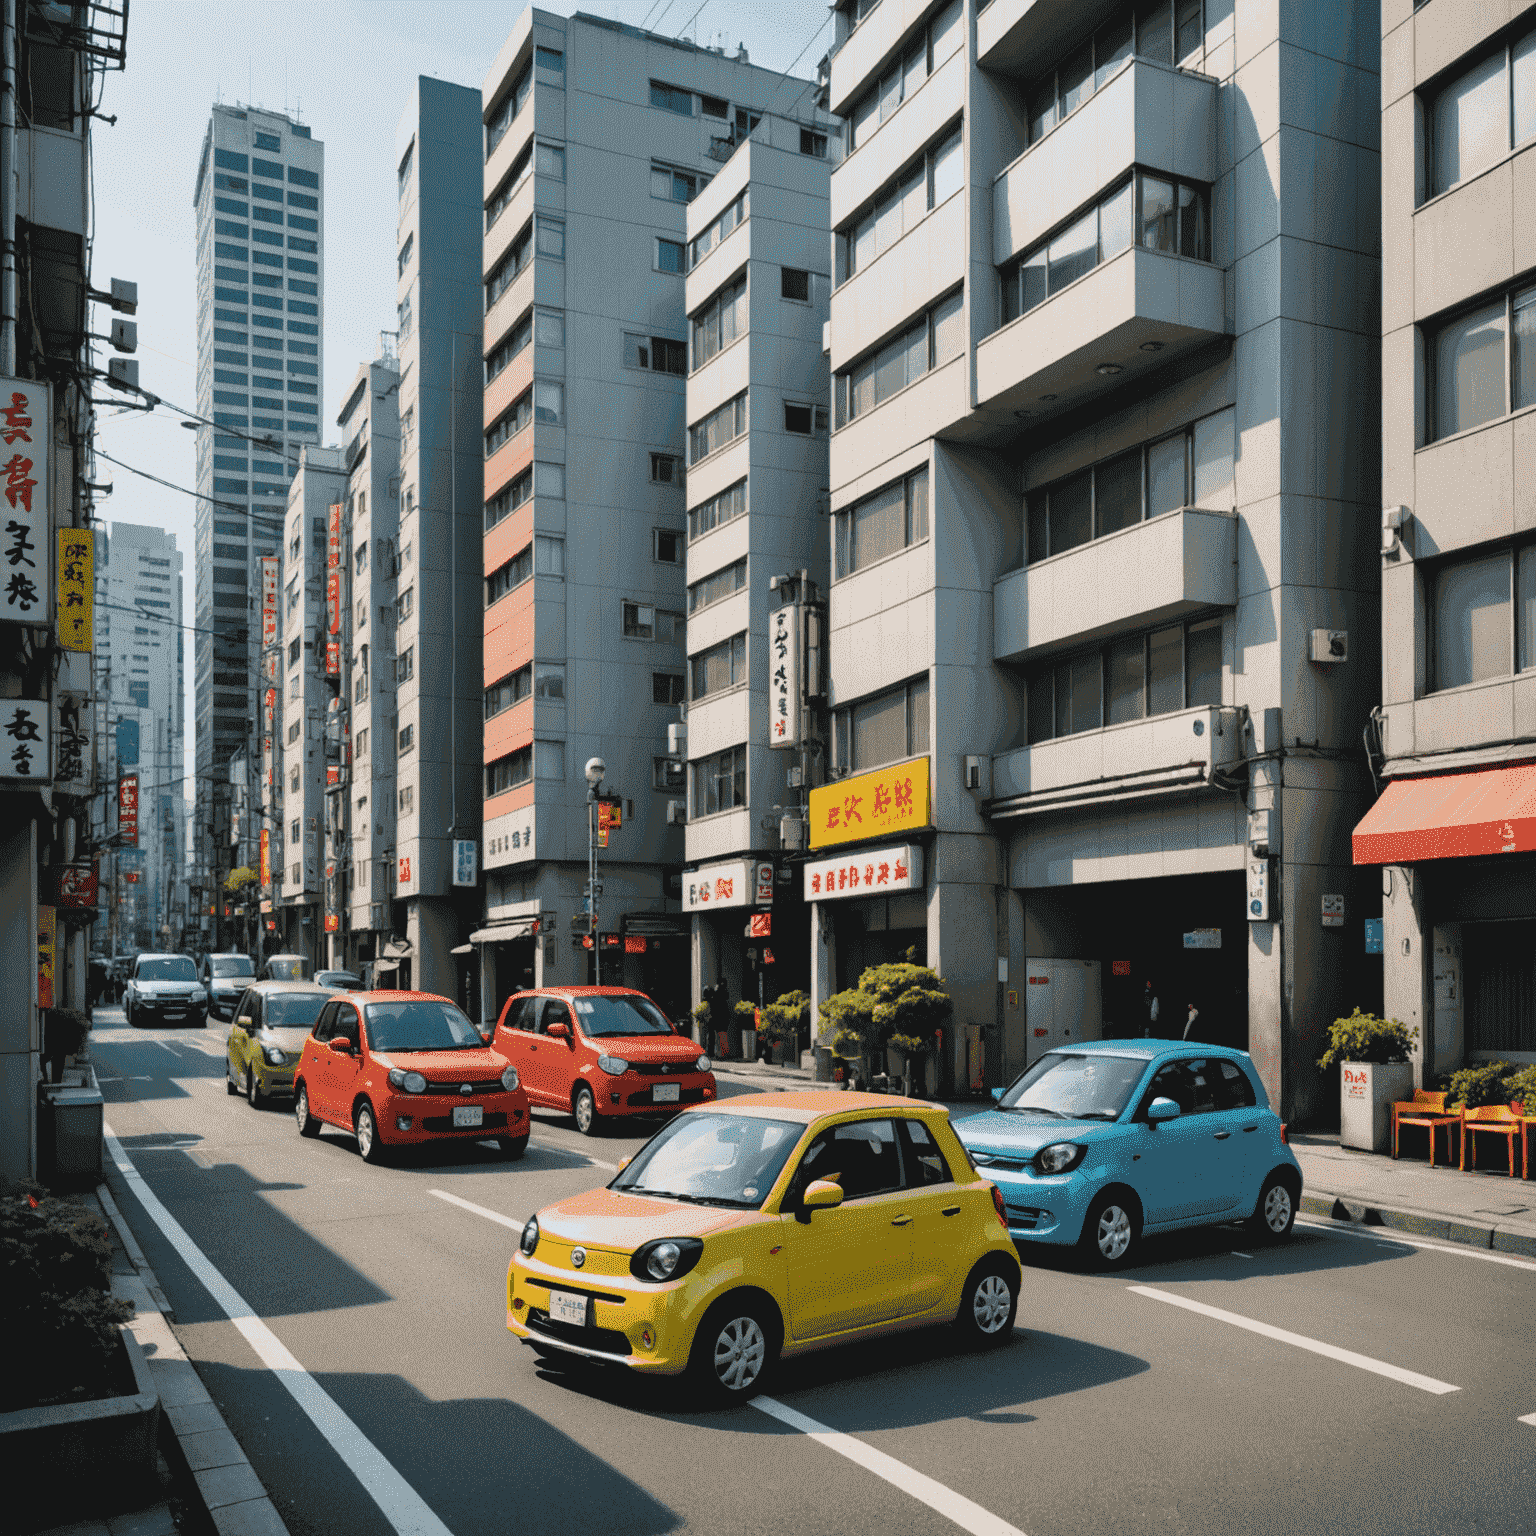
<point x="238" y="879"/>
<point x="787" y="1017"/>
<point x="912" y="1006"/>
<point x="846" y="1017"/>
<point x="1364" y="1037"/>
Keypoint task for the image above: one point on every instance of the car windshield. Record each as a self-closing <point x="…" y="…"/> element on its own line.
<point x="293" y="1010"/>
<point x="232" y="965"/>
<point x="420" y="1026"/>
<point x="712" y="1159"/>
<point x="172" y="968"/>
<point x="286" y="967"/>
<point x="340" y="979"/>
<point x="1076" y="1087"/>
<point x="603" y="1018"/>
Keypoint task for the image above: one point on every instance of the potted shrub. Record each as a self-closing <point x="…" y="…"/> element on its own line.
<point x="1478" y="1085"/>
<point x="847" y="1026"/>
<point x="1520" y="1089"/>
<point x="701" y="1028"/>
<point x="745" y="1015"/>
<point x="784" y="1022"/>
<point x="911" y="1008"/>
<point x="1375" y="1073"/>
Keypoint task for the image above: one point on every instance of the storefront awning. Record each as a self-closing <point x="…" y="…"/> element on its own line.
<point x="1451" y="816"/>
<point x="462" y="949"/>
<point x="398" y="949"/>
<point x="502" y="933"/>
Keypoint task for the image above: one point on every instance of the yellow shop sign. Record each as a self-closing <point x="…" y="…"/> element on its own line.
<point x="889" y="802"/>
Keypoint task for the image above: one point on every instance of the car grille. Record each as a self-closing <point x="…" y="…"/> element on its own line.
<point x="687" y="1096"/>
<point x="663" y="1068"/>
<point x="491" y="1085"/>
<point x="987" y="1161"/>
<point x="608" y="1341"/>
<point x="494" y="1120"/>
<point x="1026" y="1216"/>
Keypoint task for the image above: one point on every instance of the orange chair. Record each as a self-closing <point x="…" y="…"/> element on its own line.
<point x="1428" y="1111"/>
<point x="1499" y="1119"/>
<point x="1527" y="1121"/>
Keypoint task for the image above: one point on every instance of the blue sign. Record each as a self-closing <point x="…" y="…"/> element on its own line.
<point x="1373" y="936"/>
<point x="127" y="742"/>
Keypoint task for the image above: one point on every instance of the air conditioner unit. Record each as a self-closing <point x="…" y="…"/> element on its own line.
<point x="677" y="813"/>
<point x="1330" y="645"/>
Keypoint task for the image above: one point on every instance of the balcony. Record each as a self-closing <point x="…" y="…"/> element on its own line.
<point x="1130" y="316"/>
<point x="1149" y="114"/>
<point x="1021" y="36"/>
<point x="1141" y="576"/>
<point x="1168" y="754"/>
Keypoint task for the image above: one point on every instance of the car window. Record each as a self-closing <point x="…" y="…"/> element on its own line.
<point x="1233" y="1090"/>
<point x="925" y="1163"/>
<point x="863" y="1157"/>
<point x="294" y="1010"/>
<point x="166" y="968"/>
<point x="346" y="1022"/>
<point x="555" y="1012"/>
<point x="325" y="1023"/>
<point x="1173" y="1081"/>
<point x="249" y="1007"/>
<point x="1203" y="1076"/>
<point x="523" y="1015"/>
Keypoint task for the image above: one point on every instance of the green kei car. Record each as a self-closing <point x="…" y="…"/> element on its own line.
<point x="272" y="1021"/>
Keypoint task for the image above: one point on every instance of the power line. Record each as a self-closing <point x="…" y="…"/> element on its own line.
<point x="228" y="506"/>
<point x="242" y="633"/>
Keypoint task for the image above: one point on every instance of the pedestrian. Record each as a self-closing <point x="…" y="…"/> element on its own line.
<point x="1150" y="1003"/>
<point x="720" y="1017"/>
<point x="1189" y="1023"/>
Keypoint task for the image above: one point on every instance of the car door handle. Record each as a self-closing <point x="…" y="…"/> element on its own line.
<point x="900" y="1221"/>
<point x="1222" y="1135"/>
<point x="951" y="1210"/>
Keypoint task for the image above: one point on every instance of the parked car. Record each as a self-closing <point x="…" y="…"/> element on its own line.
<point x="271" y="1023"/>
<point x="403" y="1068"/>
<point x="1102" y="1144"/>
<point x="340" y="981"/>
<point x="284" y="968"/>
<point x="601" y="1053"/>
<point x="164" y="989"/>
<point x="225" y="977"/>
<point x="687" y="1261"/>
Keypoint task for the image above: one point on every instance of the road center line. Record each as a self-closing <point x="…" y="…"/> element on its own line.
<point x="953" y="1506"/>
<point x="1316" y="1346"/>
<point x="1528" y="1418"/>
<point x="479" y="1210"/>
<point x="398" y="1502"/>
<point x="1461" y="1252"/>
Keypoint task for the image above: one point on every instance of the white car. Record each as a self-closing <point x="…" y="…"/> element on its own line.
<point x="165" y="989"/>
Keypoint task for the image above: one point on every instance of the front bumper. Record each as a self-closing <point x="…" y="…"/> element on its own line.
<point x="634" y="1093"/>
<point x="1044" y="1208"/>
<point x="431" y="1117"/>
<point x="170" y="1010"/>
<point x="276" y="1082"/>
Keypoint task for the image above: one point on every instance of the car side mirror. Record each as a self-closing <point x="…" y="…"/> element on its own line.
<point x="997" y="1094"/>
<point x="485" y="1038"/>
<point x="341" y="1045"/>
<point x="245" y="1021"/>
<point x="820" y="1195"/>
<point x="1162" y="1109"/>
<point x="558" y="1032"/>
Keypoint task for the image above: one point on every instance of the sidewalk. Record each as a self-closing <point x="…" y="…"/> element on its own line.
<point x="1486" y="1209"/>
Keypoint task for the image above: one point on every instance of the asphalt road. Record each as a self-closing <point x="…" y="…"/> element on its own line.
<point x="1119" y="1405"/>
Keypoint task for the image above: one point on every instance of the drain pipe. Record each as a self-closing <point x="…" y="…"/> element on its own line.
<point x="8" y="192"/>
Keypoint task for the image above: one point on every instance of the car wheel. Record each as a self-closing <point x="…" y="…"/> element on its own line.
<point x="306" y="1122"/>
<point x="511" y="1147"/>
<point x="366" y="1128"/>
<point x="1112" y="1232"/>
<point x="231" y="1087"/>
<point x="253" y="1094"/>
<point x="585" y="1109"/>
<point x="988" y="1305"/>
<point x="734" y="1350"/>
<point x="1275" y="1214"/>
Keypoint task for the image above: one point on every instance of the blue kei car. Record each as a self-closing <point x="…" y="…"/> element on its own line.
<point x="1099" y="1144"/>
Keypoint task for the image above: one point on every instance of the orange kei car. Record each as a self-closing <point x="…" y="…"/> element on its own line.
<point x="402" y="1068"/>
<point x="600" y="1052"/>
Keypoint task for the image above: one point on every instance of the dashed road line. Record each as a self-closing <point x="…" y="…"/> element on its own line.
<point x="1458" y="1251"/>
<point x="479" y="1210"/>
<point x="1528" y="1418"/>
<point x="1301" y="1341"/>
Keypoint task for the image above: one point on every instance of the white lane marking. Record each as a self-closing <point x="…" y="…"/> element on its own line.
<point x="1528" y="1418"/>
<point x="479" y="1210"/>
<point x="1237" y="1255"/>
<point x="1460" y="1252"/>
<point x="1316" y="1346"/>
<point x="953" y="1506"/>
<point x="398" y="1502"/>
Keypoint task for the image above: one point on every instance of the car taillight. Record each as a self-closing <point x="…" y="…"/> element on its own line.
<point x="997" y="1201"/>
<point x="1285" y="1139"/>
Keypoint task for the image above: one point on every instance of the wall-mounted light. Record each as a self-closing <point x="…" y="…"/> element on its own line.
<point x="1393" y="521"/>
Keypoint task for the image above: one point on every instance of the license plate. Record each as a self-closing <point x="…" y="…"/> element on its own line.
<point x="468" y="1114"/>
<point x="666" y="1093"/>
<point x="566" y="1308"/>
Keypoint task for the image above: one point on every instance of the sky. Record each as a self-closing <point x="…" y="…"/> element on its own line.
<point x="345" y="67"/>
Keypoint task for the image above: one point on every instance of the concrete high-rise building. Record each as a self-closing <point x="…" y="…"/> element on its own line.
<point x="1104" y="486"/>
<point x="259" y="199"/>
<point x="1450" y="837"/>
<point x="596" y="137"/>
<point x="756" y="295"/>
<point x="139" y="675"/>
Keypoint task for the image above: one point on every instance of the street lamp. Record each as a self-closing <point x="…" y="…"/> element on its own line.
<point x="595" y="770"/>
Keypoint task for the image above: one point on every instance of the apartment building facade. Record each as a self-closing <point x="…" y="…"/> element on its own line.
<point x="596" y="137"/>
<point x="1450" y="839"/>
<point x="1103" y="623"/>
<point x="259" y="201"/>
<point x="758" y="410"/>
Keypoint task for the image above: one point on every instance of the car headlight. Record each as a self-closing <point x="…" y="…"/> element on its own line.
<point x="530" y="1238"/>
<point x="702" y="1064"/>
<point x="411" y="1082"/>
<point x="1059" y="1157"/>
<point x="275" y="1057"/>
<point x="509" y="1079"/>
<point x="667" y="1258"/>
<point x="614" y="1066"/>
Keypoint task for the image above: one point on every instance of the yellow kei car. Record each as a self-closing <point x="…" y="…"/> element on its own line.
<point x="271" y="1023"/>
<point x="766" y="1227"/>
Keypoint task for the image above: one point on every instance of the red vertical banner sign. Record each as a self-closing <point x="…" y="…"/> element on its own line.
<point x="268" y="600"/>
<point x="128" y="809"/>
<point x="266" y="856"/>
<point x="47" y="956"/>
<point x="333" y="591"/>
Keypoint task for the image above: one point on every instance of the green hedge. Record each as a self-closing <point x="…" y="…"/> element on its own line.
<point x="1365" y="1037"/>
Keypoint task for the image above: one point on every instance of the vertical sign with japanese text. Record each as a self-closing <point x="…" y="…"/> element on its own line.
<point x="266" y="857"/>
<point x="784" y="676"/>
<point x="47" y="955"/>
<point x="24" y="744"/>
<point x="333" y="576"/>
<point x="77" y="589"/>
<point x="71" y="742"/>
<point x="128" y="809"/>
<point x="268" y="600"/>
<point x="24" y="418"/>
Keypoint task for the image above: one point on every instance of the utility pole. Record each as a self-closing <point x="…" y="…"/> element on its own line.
<point x="595" y="770"/>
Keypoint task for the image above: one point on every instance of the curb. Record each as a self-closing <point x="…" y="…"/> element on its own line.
<point x="1419" y="1223"/>
<point x="231" y="1494"/>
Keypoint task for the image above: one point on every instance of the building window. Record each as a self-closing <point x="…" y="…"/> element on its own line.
<point x="510" y="771"/>
<point x="668" y="774"/>
<point x="509" y="498"/>
<point x="643" y="621"/>
<point x="720" y="321"/>
<point x="812" y="143"/>
<point x="795" y="285"/>
<point x="1192" y="467"/>
<point x="360" y="743"/>
<point x="933" y="340"/>
<point x="403" y="260"/>
<point x="901" y="205"/>
<point x="891" y="520"/>
<point x="295" y="650"/>
<point x="548" y="401"/>
<point x="939" y="39"/>
<point x="510" y="345"/>
<point x="406" y="740"/>
<point x="804" y="420"/>
<point x="666" y="469"/>
<point x="1482" y="114"/>
<point x="667" y="546"/>
<point x="884" y="729"/>
<point x="507" y="270"/>
<point x="1483" y="364"/>
<point x="405" y="666"/>
<point x="403" y="174"/>
<point x="513" y="420"/>
<point x="719" y="782"/>
<point x="509" y="691"/>
<point x="676" y="186"/>
<point x="1483" y="617"/>
<point x="722" y="583"/>
<point x="405" y="604"/>
<point x="702" y="244"/>
<point x="720" y="427"/>
<point x="549" y="160"/>
<point x="722" y="666"/>
<point x="670" y="98"/>
<point x="293" y="731"/>
<point x="669" y="255"/>
<point x="657" y="353"/>
<point x="508" y="108"/>
<point x="1172" y="668"/>
<point x="1154" y="212"/>
<point x="549" y="682"/>
<point x="667" y="687"/>
<point x="406" y="801"/>
<point x="730" y="503"/>
<point x="550" y="59"/>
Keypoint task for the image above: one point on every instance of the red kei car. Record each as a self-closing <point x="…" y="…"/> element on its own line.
<point x="403" y="1068"/>
<point x="600" y="1052"/>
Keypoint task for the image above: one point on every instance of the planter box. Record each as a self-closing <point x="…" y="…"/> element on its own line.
<point x="96" y="1457"/>
<point x="1367" y="1092"/>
